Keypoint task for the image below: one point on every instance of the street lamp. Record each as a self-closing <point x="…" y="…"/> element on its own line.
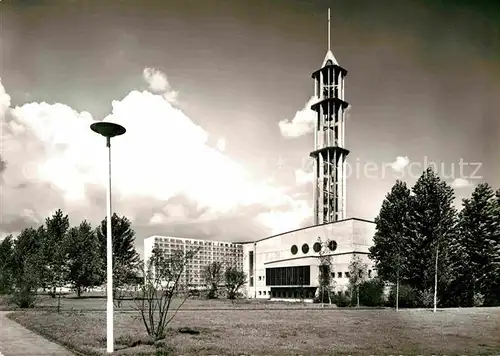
<point x="109" y="130"/>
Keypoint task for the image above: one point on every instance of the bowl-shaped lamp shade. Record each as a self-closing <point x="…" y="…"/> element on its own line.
<point x="108" y="129"/>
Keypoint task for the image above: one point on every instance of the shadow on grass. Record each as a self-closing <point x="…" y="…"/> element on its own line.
<point x="82" y="297"/>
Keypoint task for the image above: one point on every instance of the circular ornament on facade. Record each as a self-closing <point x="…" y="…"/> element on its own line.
<point x="332" y="245"/>
<point x="294" y="250"/>
<point x="317" y="247"/>
<point x="305" y="248"/>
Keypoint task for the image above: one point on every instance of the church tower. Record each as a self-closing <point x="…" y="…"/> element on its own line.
<point x="329" y="140"/>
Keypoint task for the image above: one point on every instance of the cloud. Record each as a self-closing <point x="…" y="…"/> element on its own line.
<point x="282" y="221"/>
<point x="221" y="144"/>
<point x="4" y="100"/>
<point x="400" y="163"/>
<point x="55" y="161"/>
<point x="301" y="124"/>
<point x="158" y="83"/>
<point x="303" y="177"/>
<point x="461" y="183"/>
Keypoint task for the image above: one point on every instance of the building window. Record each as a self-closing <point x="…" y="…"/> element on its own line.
<point x="339" y="275"/>
<point x="260" y="293"/>
<point x="260" y="278"/>
<point x="332" y="245"/>
<point x="294" y="250"/>
<point x="264" y="292"/>
<point x="305" y="248"/>
<point x="250" y="263"/>
<point x="317" y="247"/>
<point x="347" y="275"/>
<point x="288" y="276"/>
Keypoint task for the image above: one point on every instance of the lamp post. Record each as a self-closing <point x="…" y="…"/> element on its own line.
<point x="109" y="130"/>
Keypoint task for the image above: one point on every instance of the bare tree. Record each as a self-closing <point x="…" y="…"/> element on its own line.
<point x="213" y="275"/>
<point x="301" y="290"/>
<point x="325" y="271"/>
<point x="161" y="289"/>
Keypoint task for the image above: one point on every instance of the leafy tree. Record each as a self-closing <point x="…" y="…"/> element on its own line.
<point x="235" y="279"/>
<point x="479" y="244"/>
<point x="54" y="251"/>
<point x="161" y="287"/>
<point x="390" y="243"/>
<point x="84" y="260"/>
<point x="213" y="275"/>
<point x="125" y="257"/>
<point x="432" y="229"/>
<point x="6" y="251"/>
<point x="26" y="266"/>
<point x="357" y="275"/>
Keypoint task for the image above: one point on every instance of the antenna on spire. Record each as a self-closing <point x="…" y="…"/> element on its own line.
<point x="328" y="29"/>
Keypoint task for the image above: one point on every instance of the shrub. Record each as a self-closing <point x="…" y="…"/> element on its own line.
<point x="426" y="298"/>
<point x="323" y="297"/>
<point x="24" y="297"/>
<point x="478" y="300"/>
<point x="371" y="293"/>
<point x="407" y="297"/>
<point x="342" y="299"/>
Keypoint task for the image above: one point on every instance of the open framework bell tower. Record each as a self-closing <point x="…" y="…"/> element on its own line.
<point x="329" y="140"/>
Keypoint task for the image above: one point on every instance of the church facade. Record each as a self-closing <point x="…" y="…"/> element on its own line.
<point x="286" y="266"/>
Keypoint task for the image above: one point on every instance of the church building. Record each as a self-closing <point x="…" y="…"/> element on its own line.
<point x="285" y="266"/>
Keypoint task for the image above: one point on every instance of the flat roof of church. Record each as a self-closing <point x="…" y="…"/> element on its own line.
<point x="307" y="227"/>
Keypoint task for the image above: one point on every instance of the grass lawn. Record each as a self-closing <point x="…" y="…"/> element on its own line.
<point x="246" y="330"/>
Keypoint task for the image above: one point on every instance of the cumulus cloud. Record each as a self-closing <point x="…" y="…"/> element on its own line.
<point x="461" y="183"/>
<point x="400" y="163"/>
<point x="4" y="100"/>
<point x="158" y="83"/>
<point x="282" y="221"/>
<point x="55" y="161"/>
<point x="221" y="144"/>
<point x="301" y="124"/>
<point x="303" y="177"/>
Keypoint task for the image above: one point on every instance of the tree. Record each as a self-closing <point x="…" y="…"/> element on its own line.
<point x="6" y="251"/>
<point x="235" y="279"/>
<point x="325" y="267"/>
<point x="84" y="260"/>
<point x="357" y="275"/>
<point x="125" y="257"/>
<point x="162" y="284"/>
<point x="479" y="244"/>
<point x="390" y="243"/>
<point x="26" y="266"/>
<point x="54" y="251"/>
<point x="213" y="275"/>
<point x="432" y="229"/>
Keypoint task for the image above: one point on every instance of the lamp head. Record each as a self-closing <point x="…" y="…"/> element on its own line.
<point x="108" y="129"/>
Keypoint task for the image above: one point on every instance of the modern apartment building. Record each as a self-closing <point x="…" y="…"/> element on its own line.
<point x="229" y="253"/>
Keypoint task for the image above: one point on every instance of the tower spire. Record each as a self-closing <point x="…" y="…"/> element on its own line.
<point x="328" y="29"/>
<point x="329" y="140"/>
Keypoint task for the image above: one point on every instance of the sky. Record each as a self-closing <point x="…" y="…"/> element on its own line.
<point x="215" y="98"/>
